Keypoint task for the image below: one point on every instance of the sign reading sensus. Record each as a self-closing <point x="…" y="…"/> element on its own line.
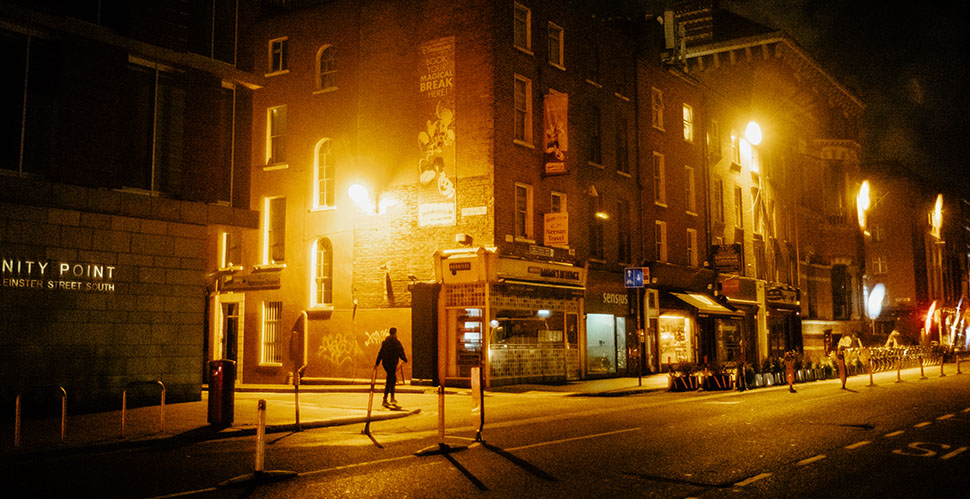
<point x="51" y="275"/>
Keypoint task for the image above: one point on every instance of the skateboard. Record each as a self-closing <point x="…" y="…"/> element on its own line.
<point x="394" y="407"/>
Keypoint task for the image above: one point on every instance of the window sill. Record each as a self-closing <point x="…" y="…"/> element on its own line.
<point x="324" y="90"/>
<point x="269" y="267"/>
<point x="277" y="73"/>
<point x="523" y="144"/>
<point x="317" y="209"/>
<point x="597" y="260"/>
<point x="321" y="308"/>
<point x="557" y="66"/>
<point x="276" y="166"/>
<point x="270" y="364"/>
<point x="596" y="165"/>
<point x="692" y="213"/>
<point x="659" y="128"/>
<point x="660" y="204"/>
<point x="520" y="239"/>
<point x="524" y="50"/>
<point x="593" y="83"/>
<point x="624" y="174"/>
<point x="621" y="96"/>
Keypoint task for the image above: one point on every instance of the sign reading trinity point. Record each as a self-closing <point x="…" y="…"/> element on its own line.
<point x="50" y="275"/>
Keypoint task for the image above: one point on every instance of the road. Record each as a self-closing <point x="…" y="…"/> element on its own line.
<point x="889" y="440"/>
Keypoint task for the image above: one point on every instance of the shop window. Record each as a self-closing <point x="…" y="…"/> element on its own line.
<point x="469" y="326"/>
<point x="601" y="346"/>
<point x="676" y="342"/>
<point x="272" y="351"/>
<point x="728" y="332"/>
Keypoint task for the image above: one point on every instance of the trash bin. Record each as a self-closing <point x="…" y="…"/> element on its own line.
<point x="222" y="383"/>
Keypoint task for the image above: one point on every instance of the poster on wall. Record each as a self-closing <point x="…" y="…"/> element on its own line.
<point x="556" y="229"/>
<point x="436" y="133"/>
<point x="555" y="140"/>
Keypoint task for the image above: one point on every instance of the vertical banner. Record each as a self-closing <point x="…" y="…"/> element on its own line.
<point x="436" y="135"/>
<point x="555" y="141"/>
<point x="556" y="229"/>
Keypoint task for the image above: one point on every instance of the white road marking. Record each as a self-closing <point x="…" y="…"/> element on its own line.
<point x="858" y="444"/>
<point x="895" y="433"/>
<point x="954" y="453"/>
<point x="749" y="481"/>
<point x="572" y="439"/>
<point x="945" y="416"/>
<point x="924" y="423"/>
<point x="810" y="460"/>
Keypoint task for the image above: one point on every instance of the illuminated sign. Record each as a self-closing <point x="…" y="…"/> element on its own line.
<point x="25" y="273"/>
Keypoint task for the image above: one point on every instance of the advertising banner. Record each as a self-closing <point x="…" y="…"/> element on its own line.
<point x="437" y="170"/>
<point x="555" y="138"/>
<point x="556" y="230"/>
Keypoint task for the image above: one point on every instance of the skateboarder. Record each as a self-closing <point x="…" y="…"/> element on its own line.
<point x="391" y="352"/>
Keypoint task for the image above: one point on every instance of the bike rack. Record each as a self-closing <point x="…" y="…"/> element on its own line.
<point x="16" y="424"/>
<point x="124" y="403"/>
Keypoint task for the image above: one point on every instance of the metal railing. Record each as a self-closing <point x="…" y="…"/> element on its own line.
<point x="124" y="403"/>
<point x="16" y="424"/>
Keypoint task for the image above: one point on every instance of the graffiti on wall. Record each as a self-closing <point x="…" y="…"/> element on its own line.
<point x="349" y="355"/>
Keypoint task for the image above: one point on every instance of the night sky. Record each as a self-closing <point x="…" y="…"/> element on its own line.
<point x="909" y="63"/>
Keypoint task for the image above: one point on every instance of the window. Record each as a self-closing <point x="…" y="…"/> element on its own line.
<point x="327" y="68"/>
<point x="523" y="211"/>
<point x="323" y="172"/>
<point x="735" y="148"/>
<point x="596" y="217"/>
<point x="523" y="110"/>
<point x="622" y="146"/>
<point x="660" y="234"/>
<point x="738" y="207"/>
<point x="272" y="333"/>
<point x="154" y="126"/>
<point x="558" y="203"/>
<point x="231" y="253"/>
<point x="692" y="247"/>
<point x="277" y="56"/>
<point x="274" y="227"/>
<point x="718" y="200"/>
<point x="593" y="65"/>
<point x="689" y="184"/>
<point x="875" y="230"/>
<point x="623" y="231"/>
<point x="879" y="265"/>
<point x="657" y="108"/>
<point x="276" y="135"/>
<point x="688" y="123"/>
<point x="522" y="28"/>
<point x="659" y="181"/>
<point x="714" y="139"/>
<point x="556" y="47"/>
<point x="27" y="104"/>
<point x="321" y="287"/>
<point x="595" y="137"/>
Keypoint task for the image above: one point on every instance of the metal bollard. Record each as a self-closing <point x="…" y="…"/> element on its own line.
<point x="899" y="367"/>
<point x="958" y="363"/>
<point x="942" y="361"/>
<point x="921" y="374"/>
<point x="260" y="436"/>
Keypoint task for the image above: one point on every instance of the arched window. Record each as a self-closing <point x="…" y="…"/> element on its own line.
<point x="323" y="172"/>
<point x="321" y="287"/>
<point x="327" y="68"/>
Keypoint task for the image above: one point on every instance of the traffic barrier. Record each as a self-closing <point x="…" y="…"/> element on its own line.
<point x="124" y="403"/>
<point x="258" y="475"/>
<point x="16" y="424"/>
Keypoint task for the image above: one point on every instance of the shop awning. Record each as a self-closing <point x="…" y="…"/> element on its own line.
<point x="706" y="305"/>
<point x="544" y="284"/>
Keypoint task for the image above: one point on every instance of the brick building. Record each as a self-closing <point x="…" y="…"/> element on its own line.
<point x="125" y="142"/>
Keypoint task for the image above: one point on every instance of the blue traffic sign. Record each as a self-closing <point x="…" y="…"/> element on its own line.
<point x="633" y="277"/>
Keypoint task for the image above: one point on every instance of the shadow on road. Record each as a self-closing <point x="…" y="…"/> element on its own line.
<point x="522" y="463"/>
<point x="464" y="471"/>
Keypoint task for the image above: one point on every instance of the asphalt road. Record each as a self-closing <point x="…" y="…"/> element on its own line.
<point x="895" y="439"/>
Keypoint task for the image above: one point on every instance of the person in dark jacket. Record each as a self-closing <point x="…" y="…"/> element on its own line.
<point x="391" y="352"/>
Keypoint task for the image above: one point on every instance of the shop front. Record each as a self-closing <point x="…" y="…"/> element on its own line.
<point x="747" y="296"/>
<point x="784" y="320"/>
<point x="695" y="328"/>
<point x="519" y="319"/>
<point x="611" y="326"/>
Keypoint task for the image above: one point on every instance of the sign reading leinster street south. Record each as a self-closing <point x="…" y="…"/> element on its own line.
<point x="25" y="273"/>
<point x="435" y="127"/>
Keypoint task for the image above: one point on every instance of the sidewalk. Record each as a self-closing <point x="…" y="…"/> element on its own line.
<point x="320" y="406"/>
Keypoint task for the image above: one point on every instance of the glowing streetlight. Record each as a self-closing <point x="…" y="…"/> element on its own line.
<point x="753" y="133"/>
<point x="359" y="195"/>
<point x="862" y="203"/>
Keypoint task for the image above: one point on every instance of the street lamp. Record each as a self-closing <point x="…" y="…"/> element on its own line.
<point x="862" y="204"/>
<point x="753" y="133"/>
